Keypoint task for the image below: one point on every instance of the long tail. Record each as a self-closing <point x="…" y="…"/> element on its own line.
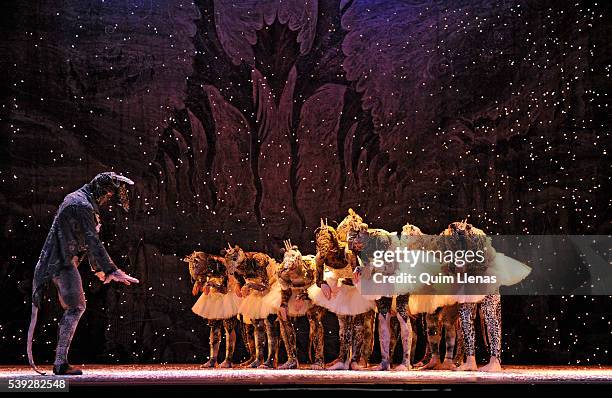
<point x="33" y="320"/>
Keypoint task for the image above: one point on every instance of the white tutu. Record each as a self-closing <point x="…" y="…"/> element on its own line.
<point x="217" y="306"/>
<point x="345" y="300"/>
<point x="256" y="306"/>
<point x="428" y="303"/>
<point x="507" y="270"/>
<point x="295" y="308"/>
<point x="399" y="277"/>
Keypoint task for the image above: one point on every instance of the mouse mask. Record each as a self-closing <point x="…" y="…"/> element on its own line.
<point x="118" y="185"/>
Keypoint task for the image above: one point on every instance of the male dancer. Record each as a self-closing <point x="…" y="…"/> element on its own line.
<point x="74" y="232"/>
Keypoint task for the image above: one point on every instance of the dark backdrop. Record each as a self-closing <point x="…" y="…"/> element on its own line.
<point x="248" y="122"/>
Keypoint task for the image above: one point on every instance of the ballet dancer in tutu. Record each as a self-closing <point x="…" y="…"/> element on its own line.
<point x="290" y="297"/>
<point x="505" y="270"/>
<point x="335" y="291"/>
<point x="218" y="302"/>
<point x="256" y="276"/>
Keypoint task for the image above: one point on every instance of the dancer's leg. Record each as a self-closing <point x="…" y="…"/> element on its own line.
<point x="214" y="340"/>
<point x="345" y="334"/>
<point x="368" y="337"/>
<point x="72" y="299"/>
<point x="449" y="319"/>
<point x="466" y="317"/>
<point x="287" y="328"/>
<point x="248" y="337"/>
<point x="357" y="343"/>
<point x="405" y="331"/>
<point x="491" y="306"/>
<point x="230" y="341"/>
<point x="260" y="342"/>
<point x="315" y="321"/>
<point x="384" y="331"/>
<point x="272" y="332"/>
<point x="433" y="338"/>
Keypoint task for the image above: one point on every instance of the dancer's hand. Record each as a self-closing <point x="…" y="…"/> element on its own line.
<point x="238" y="291"/>
<point x="121" y="277"/>
<point x="326" y="289"/>
<point x="101" y="275"/>
<point x="245" y="291"/>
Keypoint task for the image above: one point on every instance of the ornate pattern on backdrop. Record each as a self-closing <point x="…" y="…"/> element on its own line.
<point x="248" y="123"/>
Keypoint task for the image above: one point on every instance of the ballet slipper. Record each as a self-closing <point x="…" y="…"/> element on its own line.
<point x="246" y="363"/>
<point x="209" y="364"/>
<point x="448" y="364"/>
<point x="468" y="365"/>
<point x="317" y="366"/>
<point x="357" y="366"/>
<point x="493" y="366"/>
<point x="340" y="365"/>
<point x="433" y="362"/>
<point x="290" y="364"/>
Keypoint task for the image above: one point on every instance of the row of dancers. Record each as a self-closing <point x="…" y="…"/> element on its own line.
<point x="266" y="298"/>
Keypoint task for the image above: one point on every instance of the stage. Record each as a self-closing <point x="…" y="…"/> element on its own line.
<point x="122" y="375"/>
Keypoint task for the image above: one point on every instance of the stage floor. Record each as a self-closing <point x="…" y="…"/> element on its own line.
<point x="192" y="374"/>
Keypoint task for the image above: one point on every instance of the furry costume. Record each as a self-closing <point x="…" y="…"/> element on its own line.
<point x="256" y="277"/>
<point x="463" y="236"/>
<point x="74" y="234"/>
<point x="295" y="275"/>
<point x="349" y="222"/>
<point x="437" y="312"/>
<point x="335" y="265"/>
<point x="218" y="302"/>
<point x="364" y="242"/>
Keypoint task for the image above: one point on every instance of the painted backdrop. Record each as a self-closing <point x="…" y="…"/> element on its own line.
<point x="247" y="121"/>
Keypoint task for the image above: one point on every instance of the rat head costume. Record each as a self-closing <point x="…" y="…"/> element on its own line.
<point x="73" y="234"/>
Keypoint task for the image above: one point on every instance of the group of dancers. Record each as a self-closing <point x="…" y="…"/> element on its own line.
<point x="265" y="298"/>
<point x="253" y="293"/>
